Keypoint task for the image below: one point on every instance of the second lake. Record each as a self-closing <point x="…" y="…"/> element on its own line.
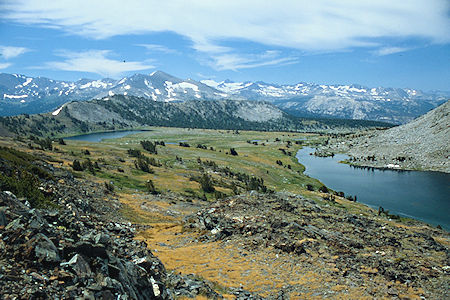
<point x="421" y="195"/>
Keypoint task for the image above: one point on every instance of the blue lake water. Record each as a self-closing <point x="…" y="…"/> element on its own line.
<point x="99" y="136"/>
<point x="421" y="195"/>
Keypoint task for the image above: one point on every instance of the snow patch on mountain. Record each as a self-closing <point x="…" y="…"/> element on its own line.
<point x="186" y="85"/>
<point x="56" y="112"/>
<point x="6" y="96"/>
<point x="27" y="81"/>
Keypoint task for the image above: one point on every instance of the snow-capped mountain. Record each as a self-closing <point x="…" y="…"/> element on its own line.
<point x="394" y="105"/>
<point x="20" y="94"/>
<point x="161" y="86"/>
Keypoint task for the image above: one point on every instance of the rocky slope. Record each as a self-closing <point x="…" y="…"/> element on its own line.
<point x="20" y="94"/>
<point x="351" y="256"/>
<point x="421" y="144"/>
<point x="121" y="112"/>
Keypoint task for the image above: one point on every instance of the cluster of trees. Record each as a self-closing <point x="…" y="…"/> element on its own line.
<point x="85" y="165"/>
<point x="134" y="152"/>
<point x="44" y="143"/>
<point x="206" y="183"/>
<point x="149" y="146"/>
<point x="288" y="153"/>
<point x="247" y="182"/>
<point x="143" y="162"/>
<point x="204" y="147"/>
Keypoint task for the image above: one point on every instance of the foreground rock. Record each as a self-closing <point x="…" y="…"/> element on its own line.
<point x="422" y="144"/>
<point x="68" y="254"/>
<point x="369" y="255"/>
<point x="79" y="247"/>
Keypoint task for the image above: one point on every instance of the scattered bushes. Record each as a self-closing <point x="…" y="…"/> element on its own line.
<point x="142" y="164"/>
<point x="134" y="153"/>
<point x="85" y="165"/>
<point x="206" y="184"/>
<point x="109" y="186"/>
<point x="233" y="152"/>
<point x="20" y="175"/>
<point x="323" y="189"/>
<point x="45" y="143"/>
<point x="76" y="165"/>
<point x="150" y="186"/>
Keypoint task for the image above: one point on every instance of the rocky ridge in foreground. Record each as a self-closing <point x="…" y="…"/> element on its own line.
<point x="78" y="247"/>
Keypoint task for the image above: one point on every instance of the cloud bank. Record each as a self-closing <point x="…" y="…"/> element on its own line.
<point x="325" y="25"/>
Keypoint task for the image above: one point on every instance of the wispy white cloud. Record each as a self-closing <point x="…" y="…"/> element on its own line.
<point x="4" y="65"/>
<point x="301" y="24"/>
<point x="235" y="61"/>
<point x="8" y="52"/>
<point x="158" y="48"/>
<point x="95" y="61"/>
<point x="389" y="50"/>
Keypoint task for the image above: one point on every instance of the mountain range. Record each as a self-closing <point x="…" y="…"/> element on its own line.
<point x="20" y="94"/>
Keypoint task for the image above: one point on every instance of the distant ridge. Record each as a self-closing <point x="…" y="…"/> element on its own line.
<point x="20" y="94"/>
<point x="124" y="112"/>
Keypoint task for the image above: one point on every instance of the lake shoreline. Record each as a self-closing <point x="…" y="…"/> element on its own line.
<point x="101" y="135"/>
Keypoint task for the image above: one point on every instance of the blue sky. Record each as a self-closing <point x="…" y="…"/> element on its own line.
<point x="373" y="43"/>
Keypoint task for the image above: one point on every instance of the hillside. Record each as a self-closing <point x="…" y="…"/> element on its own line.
<point x="121" y="112"/>
<point x="421" y="144"/>
<point x="21" y="94"/>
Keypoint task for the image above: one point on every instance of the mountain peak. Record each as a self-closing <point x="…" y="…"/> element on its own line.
<point x="159" y="73"/>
